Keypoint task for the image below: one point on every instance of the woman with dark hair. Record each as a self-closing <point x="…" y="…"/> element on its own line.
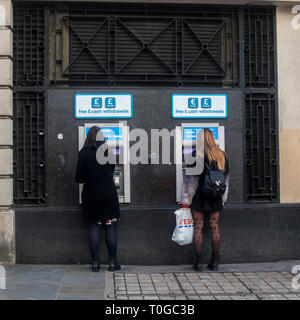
<point x="214" y="159"/>
<point x="100" y="202"/>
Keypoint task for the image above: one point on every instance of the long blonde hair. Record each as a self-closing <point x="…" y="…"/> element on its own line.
<point x="214" y="153"/>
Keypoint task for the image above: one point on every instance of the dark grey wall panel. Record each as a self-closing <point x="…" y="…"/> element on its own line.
<point x="249" y="234"/>
<point x="151" y="185"/>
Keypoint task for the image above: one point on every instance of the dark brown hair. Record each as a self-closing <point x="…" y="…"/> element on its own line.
<point x="95" y="134"/>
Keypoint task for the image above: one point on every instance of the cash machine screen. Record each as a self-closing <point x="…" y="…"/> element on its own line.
<point x="191" y="133"/>
<point x="110" y="133"/>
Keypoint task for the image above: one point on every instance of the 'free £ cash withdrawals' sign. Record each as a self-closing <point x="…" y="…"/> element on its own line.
<point x="94" y="106"/>
<point x="199" y="106"/>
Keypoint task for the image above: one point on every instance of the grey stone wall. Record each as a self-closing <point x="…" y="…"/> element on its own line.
<point x="7" y="243"/>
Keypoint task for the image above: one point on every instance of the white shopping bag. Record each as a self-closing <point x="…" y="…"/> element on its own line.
<point x="184" y="230"/>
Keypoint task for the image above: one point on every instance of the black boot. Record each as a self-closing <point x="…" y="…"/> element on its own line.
<point x="214" y="261"/>
<point x="95" y="266"/>
<point x="113" y="265"/>
<point x="198" y="266"/>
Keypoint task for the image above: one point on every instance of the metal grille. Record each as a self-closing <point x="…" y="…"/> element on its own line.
<point x="29" y="47"/>
<point x="261" y="160"/>
<point x="209" y="49"/>
<point x="29" y="147"/>
<point x="144" y="46"/>
<point x="29" y="71"/>
<point x="259" y="49"/>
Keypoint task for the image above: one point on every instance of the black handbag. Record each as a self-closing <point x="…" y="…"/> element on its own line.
<point x="214" y="183"/>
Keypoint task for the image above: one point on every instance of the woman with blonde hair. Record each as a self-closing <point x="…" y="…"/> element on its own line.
<point x="216" y="160"/>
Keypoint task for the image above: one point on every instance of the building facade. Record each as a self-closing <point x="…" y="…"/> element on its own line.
<point x="53" y="52"/>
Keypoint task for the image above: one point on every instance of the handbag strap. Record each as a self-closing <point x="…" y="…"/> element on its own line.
<point x="207" y="167"/>
<point x="210" y="169"/>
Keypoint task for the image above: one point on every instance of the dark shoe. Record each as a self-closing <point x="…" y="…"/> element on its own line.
<point x="214" y="262"/>
<point x="114" y="266"/>
<point x="198" y="266"/>
<point x="95" y="266"/>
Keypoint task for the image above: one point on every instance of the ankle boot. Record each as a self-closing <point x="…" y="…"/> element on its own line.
<point x="95" y="266"/>
<point x="198" y="266"/>
<point x="113" y="265"/>
<point x="214" y="261"/>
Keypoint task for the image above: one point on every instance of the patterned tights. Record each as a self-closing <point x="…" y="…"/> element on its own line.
<point x="215" y="231"/>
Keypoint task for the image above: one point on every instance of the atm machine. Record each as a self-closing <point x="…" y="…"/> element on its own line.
<point x="185" y="143"/>
<point x="117" y="137"/>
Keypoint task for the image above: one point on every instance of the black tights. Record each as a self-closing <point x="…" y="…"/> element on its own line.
<point x="215" y="231"/>
<point x="110" y="238"/>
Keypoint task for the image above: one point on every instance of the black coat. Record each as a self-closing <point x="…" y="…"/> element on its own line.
<point x="200" y="202"/>
<point x="99" y="195"/>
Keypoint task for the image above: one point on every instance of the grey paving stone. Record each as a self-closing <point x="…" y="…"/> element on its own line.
<point x="80" y="294"/>
<point x="30" y="293"/>
<point x="121" y="292"/>
<point x="84" y="283"/>
<point x="238" y="297"/>
<point x="271" y="297"/>
<point x="207" y="297"/>
<point x="135" y="298"/>
<point x="129" y="292"/>
<point x="193" y="297"/>
<point x="223" y="298"/>
<point x="292" y="296"/>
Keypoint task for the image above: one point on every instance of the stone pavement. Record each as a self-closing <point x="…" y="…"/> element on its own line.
<point x="263" y="281"/>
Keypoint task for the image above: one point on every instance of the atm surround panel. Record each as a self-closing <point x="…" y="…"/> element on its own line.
<point x="117" y="137"/>
<point x="185" y="141"/>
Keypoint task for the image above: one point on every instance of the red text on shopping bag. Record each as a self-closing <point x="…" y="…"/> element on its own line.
<point x="186" y="223"/>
